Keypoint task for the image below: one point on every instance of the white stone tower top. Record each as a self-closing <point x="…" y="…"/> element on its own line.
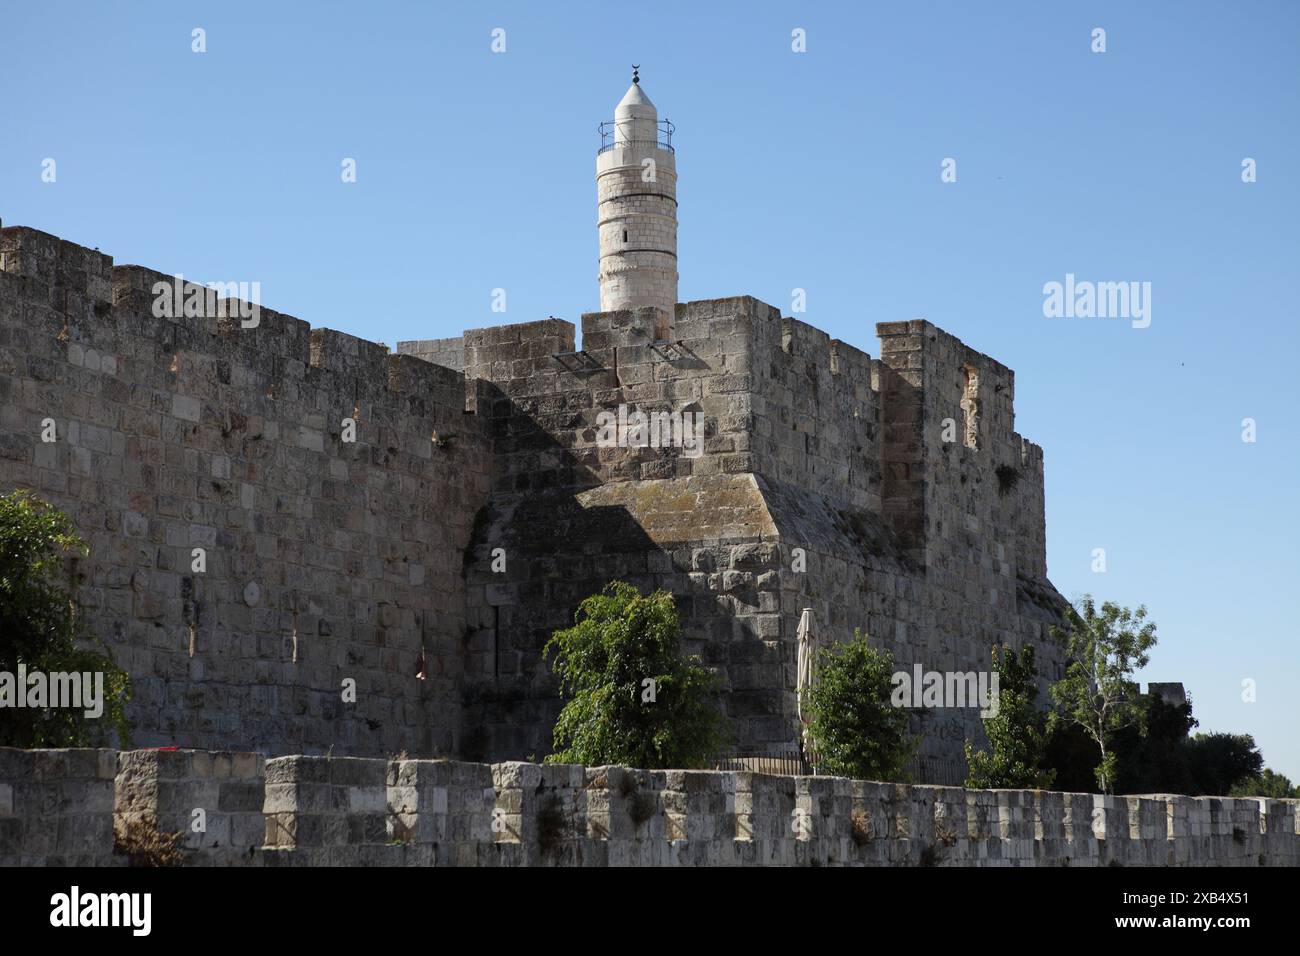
<point x="636" y="192"/>
<point x="633" y="99"/>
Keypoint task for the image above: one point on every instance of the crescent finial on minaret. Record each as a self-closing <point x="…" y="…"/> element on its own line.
<point x="636" y="77"/>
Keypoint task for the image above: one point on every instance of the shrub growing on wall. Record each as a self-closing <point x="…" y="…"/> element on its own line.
<point x="41" y="630"/>
<point x="633" y="699"/>
<point x="856" y="729"/>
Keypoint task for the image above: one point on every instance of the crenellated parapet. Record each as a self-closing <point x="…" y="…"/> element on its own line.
<point x="59" y="807"/>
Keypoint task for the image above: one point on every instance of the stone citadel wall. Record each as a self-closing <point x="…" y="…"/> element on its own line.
<point x="824" y="481"/>
<point x="58" y="807"/>
<point x="325" y="560"/>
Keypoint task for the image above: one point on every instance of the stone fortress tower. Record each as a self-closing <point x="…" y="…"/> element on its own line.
<point x="636" y="191"/>
<point x="426" y="552"/>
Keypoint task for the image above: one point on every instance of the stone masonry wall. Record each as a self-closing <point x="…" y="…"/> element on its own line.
<point x="214" y="799"/>
<point x="431" y="559"/>
<point x="851" y="504"/>
<point x="977" y="501"/>
<point x="449" y="353"/>
<point x="571" y="514"/>
<point x="322" y="811"/>
<point x="326" y="560"/>
<point x="56" y="807"/>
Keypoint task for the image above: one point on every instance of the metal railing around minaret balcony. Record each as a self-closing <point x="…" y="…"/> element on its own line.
<point x="609" y="139"/>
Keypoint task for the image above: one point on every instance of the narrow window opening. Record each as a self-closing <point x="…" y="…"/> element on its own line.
<point x="970" y="407"/>
<point x="625" y="235"/>
<point x="496" y="642"/>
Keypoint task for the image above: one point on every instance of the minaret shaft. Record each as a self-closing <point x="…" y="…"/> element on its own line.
<point x="636" y="191"/>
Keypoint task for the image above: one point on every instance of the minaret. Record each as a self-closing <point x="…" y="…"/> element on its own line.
<point x="636" y="192"/>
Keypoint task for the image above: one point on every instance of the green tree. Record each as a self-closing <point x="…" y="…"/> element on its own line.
<point x="1098" y="694"/>
<point x="1267" y="784"/>
<point x="1220" y="762"/>
<point x="1153" y="757"/>
<point x="1071" y="755"/>
<point x="633" y="699"/>
<point x="1161" y="755"/>
<point x="41" y="628"/>
<point x="857" y="730"/>
<point x="1017" y="732"/>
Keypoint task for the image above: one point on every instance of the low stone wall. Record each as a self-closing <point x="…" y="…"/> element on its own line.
<point x="58" y="806"/>
<point x="215" y="799"/>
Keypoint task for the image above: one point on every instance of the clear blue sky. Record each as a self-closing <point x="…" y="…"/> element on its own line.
<point x="817" y="170"/>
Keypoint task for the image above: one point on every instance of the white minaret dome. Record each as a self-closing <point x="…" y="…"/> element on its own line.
<point x="635" y="96"/>
<point x="636" y="193"/>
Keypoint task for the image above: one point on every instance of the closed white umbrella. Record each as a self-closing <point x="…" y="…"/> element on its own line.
<point x="804" y="683"/>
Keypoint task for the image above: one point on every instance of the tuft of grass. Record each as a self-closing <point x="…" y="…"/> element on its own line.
<point x="640" y="804"/>
<point x="627" y="787"/>
<point x="141" y="842"/>
<point x="861" y="821"/>
<point x="641" y="808"/>
<point x="1008" y="478"/>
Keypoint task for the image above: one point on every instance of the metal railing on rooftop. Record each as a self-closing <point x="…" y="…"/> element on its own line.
<point x="609" y="138"/>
